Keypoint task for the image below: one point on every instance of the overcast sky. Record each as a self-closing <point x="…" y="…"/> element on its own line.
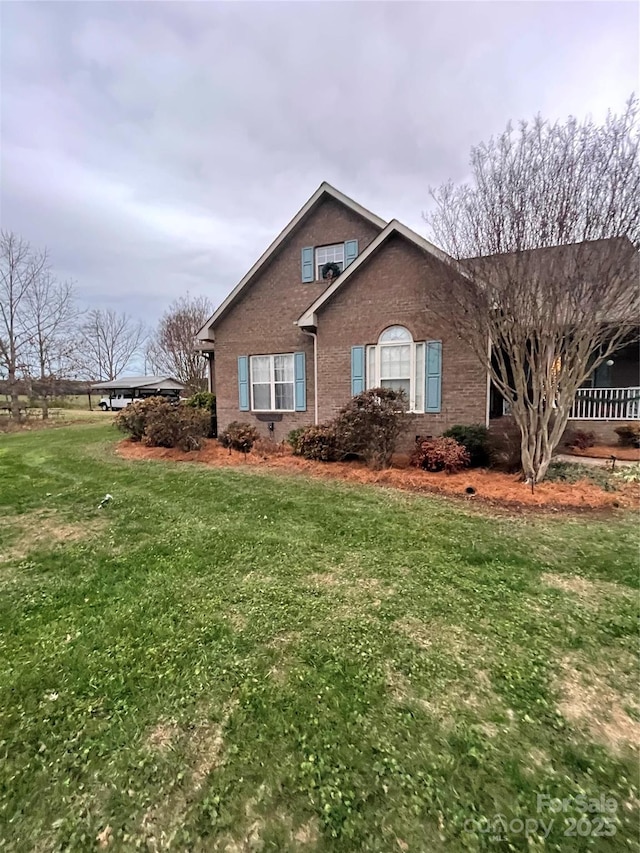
<point x="158" y="147"/>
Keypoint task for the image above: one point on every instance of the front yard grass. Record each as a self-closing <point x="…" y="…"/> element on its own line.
<point x="232" y="660"/>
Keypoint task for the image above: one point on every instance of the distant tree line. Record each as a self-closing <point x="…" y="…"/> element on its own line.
<point x="47" y="340"/>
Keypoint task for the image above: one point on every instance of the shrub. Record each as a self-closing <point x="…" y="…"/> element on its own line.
<point x="370" y="424"/>
<point x="475" y="439"/>
<point x="176" y="426"/>
<point x="504" y="450"/>
<point x="573" y="472"/>
<point x="580" y="439"/>
<point x="239" y="436"/>
<point x="159" y="423"/>
<point x="202" y="400"/>
<point x="440" y="454"/>
<point x="207" y="402"/>
<point x="629" y="434"/>
<point x="318" y="443"/>
<point x="293" y="439"/>
<point x="133" y="419"/>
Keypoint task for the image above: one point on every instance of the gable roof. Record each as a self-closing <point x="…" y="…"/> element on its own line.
<point x="323" y="191"/>
<point x="155" y="383"/>
<point x="309" y="319"/>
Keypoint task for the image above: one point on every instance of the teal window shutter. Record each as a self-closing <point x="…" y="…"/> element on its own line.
<point x="300" y="376"/>
<point x="357" y="370"/>
<point x="350" y="252"/>
<point x="433" y="373"/>
<point x="243" y="383"/>
<point x="307" y="264"/>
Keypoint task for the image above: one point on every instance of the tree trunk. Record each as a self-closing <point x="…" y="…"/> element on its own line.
<point x="45" y="408"/>
<point x="539" y="439"/>
<point x="13" y="393"/>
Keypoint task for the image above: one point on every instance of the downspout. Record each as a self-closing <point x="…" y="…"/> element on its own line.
<point x="487" y="414"/>
<point x="314" y="335"/>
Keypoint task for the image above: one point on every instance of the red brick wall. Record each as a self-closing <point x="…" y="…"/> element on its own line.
<point x="393" y="288"/>
<point x="262" y="321"/>
<point x="604" y="430"/>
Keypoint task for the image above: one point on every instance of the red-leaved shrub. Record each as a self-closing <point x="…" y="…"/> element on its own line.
<point x="581" y="439"/>
<point x="440" y="454"/>
<point x="239" y="436"/>
<point x="318" y="443"/>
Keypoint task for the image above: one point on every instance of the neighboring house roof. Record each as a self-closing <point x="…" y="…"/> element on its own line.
<point x="323" y="190"/>
<point x="309" y="319"/>
<point x="151" y="383"/>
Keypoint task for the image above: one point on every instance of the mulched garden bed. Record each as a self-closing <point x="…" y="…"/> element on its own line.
<point x="474" y="484"/>
<point x="606" y="451"/>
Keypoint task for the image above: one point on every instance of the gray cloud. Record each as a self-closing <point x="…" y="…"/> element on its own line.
<point x="159" y="147"/>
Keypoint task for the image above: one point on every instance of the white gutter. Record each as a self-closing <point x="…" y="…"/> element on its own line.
<point x="314" y="335"/>
<point x="488" y="401"/>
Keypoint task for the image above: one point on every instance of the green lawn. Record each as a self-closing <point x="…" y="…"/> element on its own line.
<point x="232" y="660"/>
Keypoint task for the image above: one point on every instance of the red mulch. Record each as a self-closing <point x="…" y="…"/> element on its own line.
<point x="489" y="486"/>
<point x="606" y="451"/>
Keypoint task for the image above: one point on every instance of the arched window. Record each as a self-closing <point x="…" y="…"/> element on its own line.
<point x="395" y="335"/>
<point x="397" y="362"/>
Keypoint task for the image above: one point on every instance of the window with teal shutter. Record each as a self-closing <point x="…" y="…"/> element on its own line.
<point x="300" y="381"/>
<point x="307" y="264"/>
<point x="350" y="252"/>
<point x="243" y="383"/>
<point x="357" y="370"/>
<point x="433" y="390"/>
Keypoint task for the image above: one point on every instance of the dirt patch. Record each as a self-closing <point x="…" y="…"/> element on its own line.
<point x="237" y="620"/>
<point x="308" y="833"/>
<point x="163" y="735"/>
<point x="469" y="686"/>
<point x="587" y="591"/>
<point x="44" y="529"/>
<point x="474" y="485"/>
<point x="428" y="634"/>
<point x="588" y="699"/>
<point x="324" y="579"/>
<point x="205" y="743"/>
<point x="606" y="451"/>
<point x="446" y="704"/>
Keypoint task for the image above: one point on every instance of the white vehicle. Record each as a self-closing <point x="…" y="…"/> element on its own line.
<point x="118" y="401"/>
<point x="120" y="393"/>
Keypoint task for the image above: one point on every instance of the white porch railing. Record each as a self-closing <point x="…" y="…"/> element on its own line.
<point x="610" y="404"/>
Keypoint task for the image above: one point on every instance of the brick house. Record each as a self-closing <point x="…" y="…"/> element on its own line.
<point x="291" y="344"/>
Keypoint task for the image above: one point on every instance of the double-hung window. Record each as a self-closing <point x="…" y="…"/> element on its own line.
<point x="272" y="383"/>
<point x="329" y="254"/>
<point x="398" y="362"/>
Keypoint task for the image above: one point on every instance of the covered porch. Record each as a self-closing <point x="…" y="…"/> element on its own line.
<point x="613" y="391"/>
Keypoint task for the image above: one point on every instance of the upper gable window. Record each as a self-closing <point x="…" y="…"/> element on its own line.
<point x="329" y="254"/>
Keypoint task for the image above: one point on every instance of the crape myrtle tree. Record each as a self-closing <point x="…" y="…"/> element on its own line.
<point x="542" y="321"/>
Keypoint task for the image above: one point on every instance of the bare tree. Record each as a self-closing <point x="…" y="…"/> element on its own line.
<point x="21" y="268"/>
<point x="51" y="310"/>
<point x="107" y="342"/>
<point x="172" y="350"/>
<point x="551" y="315"/>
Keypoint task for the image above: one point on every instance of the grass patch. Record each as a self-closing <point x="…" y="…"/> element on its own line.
<point x="230" y="660"/>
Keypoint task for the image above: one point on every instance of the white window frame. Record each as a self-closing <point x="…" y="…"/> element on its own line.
<point x="320" y="264"/>
<point x="272" y="380"/>
<point x="372" y="367"/>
